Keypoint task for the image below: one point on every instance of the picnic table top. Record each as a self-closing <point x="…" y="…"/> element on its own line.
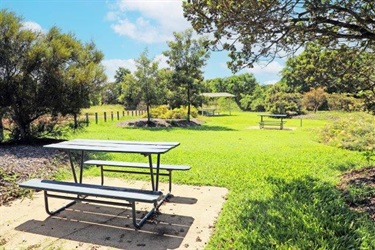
<point x="274" y="115"/>
<point x="141" y="147"/>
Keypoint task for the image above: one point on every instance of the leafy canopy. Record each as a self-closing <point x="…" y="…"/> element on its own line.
<point x="252" y="30"/>
<point x="43" y="74"/>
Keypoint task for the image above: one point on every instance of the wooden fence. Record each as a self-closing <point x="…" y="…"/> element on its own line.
<point x="105" y="116"/>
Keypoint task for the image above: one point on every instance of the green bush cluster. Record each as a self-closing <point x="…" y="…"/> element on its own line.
<point x="344" y="102"/>
<point x="353" y="132"/>
<point x="163" y="112"/>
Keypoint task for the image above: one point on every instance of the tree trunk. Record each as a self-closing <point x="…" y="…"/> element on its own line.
<point x="148" y="114"/>
<point x="1" y="127"/>
<point x="188" y="113"/>
<point x="75" y="121"/>
<point x="25" y="132"/>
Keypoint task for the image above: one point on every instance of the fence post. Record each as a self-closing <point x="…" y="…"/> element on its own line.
<point x="96" y="117"/>
<point x="112" y="115"/>
<point x="105" y="116"/>
<point x="123" y="113"/>
<point x="132" y="112"/>
<point x="300" y="123"/>
<point x="118" y="115"/>
<point x="87" y="119"/>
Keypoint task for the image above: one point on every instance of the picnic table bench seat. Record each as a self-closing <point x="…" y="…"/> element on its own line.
<point x="108" y="166"/>
<point x="272" y="123"/>
<point x="80" y="192"/>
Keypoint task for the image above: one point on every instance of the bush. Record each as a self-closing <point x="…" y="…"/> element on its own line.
<point x="343" y="102"/>
<point x="354" y="132"/>
<point x="163" y="112"/>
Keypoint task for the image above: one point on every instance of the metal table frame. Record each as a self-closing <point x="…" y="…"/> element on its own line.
<point x="116" y="146"/>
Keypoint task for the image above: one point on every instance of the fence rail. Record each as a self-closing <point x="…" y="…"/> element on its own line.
<point x="111" y="115"/>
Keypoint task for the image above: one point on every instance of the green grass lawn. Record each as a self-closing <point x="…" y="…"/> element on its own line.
<point x="282" y="192"/>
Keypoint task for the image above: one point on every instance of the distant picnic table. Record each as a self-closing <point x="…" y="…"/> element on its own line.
<point x="272" y="123"/>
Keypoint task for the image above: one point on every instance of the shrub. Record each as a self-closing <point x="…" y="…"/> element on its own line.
<point x="354" y="132"/>
<point x="343" y="102"/>
<point x="163" y="112"/>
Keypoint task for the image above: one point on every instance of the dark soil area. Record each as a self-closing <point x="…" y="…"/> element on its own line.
<point x="160" y="123"/>
<point x="22" y="162"/>
<point x="358" y="188"/>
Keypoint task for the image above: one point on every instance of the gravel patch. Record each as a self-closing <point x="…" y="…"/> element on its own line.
<point x="22" y="162"/>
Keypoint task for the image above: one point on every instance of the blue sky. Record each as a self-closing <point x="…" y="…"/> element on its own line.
<point x="123" y="29"/>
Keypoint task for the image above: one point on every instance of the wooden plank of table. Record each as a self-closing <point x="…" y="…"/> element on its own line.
<point x="115" y="146"/>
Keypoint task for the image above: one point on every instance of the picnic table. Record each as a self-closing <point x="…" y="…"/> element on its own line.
<point x="208" y="111"/>
<point x="278" y="120"/>
<point x="81" y="191"/>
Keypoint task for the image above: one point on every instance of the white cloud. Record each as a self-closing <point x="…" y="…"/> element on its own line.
<point x="113" y="64"/>
<point x="148" y="21"/>
<point x="33" y="26"/>
<point x="264" y="68"/>
<point x="162" y="61"/>
<point x="271" y="82"/>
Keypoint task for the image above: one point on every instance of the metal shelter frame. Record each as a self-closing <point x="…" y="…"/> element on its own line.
<point x="218" y="95"/>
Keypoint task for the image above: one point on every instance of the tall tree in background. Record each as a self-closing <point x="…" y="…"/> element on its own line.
<point x="41" y="74"/>
<point x="146" y="75"/>
<point x="252" y="30"/>
<point x="121" y="72"/>
<point x="341" y="70"/>
<point x="112" y="91"/>
<point x="186" y="56"/>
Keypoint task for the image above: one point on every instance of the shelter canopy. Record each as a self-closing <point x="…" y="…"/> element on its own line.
<point x="218" y="94"/>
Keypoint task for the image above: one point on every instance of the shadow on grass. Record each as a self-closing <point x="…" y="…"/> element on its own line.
<point x="195" y="128"/>
<point x="304" y="214"/>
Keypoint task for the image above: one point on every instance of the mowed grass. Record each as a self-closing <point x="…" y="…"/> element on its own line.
<point x="282" y="184"/>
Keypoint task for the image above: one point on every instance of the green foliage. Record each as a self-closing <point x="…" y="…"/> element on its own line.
<point x="254" y="31"/>
<point x="44" y="74"/>
<point x="110" y="93"/>
<point x="358" y="194"/>
<point x="353" y="132"/>
<point x="314" y="99"/>
<point x="146" y="76"/>
<point x="187" y="56"/>
<point x="163" y="112"/>
<point x="244" y="86"/>
<point x="341" y="71"/>
<point x="279" y="102"/>
<point x="344" y="102"/>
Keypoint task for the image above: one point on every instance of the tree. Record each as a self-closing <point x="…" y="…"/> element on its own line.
<point x="147" y="79"/>
<point x="281" y="101"/>
<point x="242" y="86"/>
<point x="130" y="92"/>
<point x="186" y="56"/>
<point x="121" y="72"/>
<point x="314" y="99"/>
<point x="44" y="74"/>
<point x="341" y="70"/>
<point x="252" y="30"/>
<point x="112" y="91"/>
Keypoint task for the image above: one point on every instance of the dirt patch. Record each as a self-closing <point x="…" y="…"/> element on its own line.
<point x="358" y="188"/>
<point x="22" y="162"/>
<point x="161" y="123"/>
